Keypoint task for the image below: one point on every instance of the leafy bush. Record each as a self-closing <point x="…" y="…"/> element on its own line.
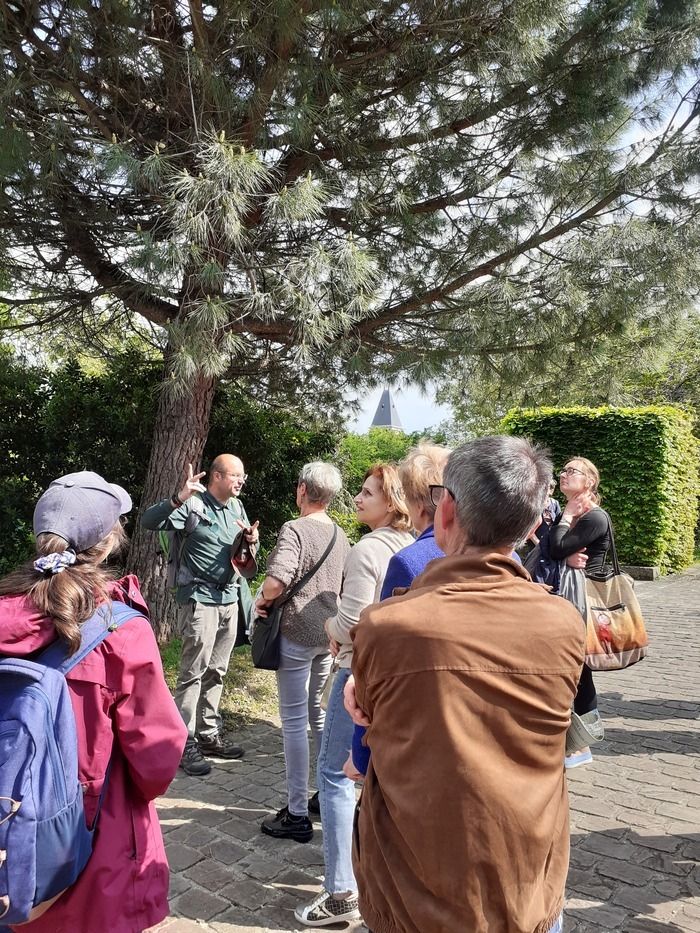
<point x="54" y="422"/>
<point x="648" y="463"/>
<point x="356" y="453"/>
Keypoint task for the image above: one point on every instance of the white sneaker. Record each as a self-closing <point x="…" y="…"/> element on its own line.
<point x="581" y="757"/>
<point x="326" y="909"/>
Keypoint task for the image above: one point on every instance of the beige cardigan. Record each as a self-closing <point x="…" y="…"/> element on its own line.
<point x="363" y="576"/>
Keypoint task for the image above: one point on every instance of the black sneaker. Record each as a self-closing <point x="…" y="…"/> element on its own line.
<point x="216" y="747"/>
<point x="315" y="804"/>
<point x="192" y="761"/>
<point x="284" y="825"/>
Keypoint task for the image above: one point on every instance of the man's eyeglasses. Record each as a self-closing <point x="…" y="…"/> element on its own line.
<point x="569" y="471"/>
<point x="437" y="492"/>
<point x="241" y="476"/>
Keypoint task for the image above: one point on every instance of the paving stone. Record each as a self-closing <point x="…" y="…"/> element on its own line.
<point x="210" y="874"/>
<point x="198" y="904"/>
<point x="223" y="850"/>
<point x="180" y="925"/>
<point x="236" y="920"/>
<point x="193" y="834"/>
<point x="261" y="868"/>
<point x="240" y="829"/>
<point x="178" y="884"/>
<point x="181" y="856"/>
<point x="606" y="916"/>
<point x="249" y="894"/>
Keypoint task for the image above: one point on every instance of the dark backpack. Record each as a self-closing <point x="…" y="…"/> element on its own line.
<point x="44" y="840"/>
<point x="172" y="543"/>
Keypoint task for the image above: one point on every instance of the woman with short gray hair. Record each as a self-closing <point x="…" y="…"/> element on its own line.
<point x="322" y="481"/>
<point x="305" y="660"/>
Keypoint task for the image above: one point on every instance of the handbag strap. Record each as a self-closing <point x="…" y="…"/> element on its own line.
<point x="613" y="549"/>
<point x="310" y="573"/>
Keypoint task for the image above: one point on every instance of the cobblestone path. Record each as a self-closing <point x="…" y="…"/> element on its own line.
<point x="635" y="858"/>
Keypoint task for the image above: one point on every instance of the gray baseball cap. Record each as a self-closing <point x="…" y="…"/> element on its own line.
<point x="82" y="508"/>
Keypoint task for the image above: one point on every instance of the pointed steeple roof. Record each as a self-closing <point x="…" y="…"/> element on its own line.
<point x="386" y="415"/>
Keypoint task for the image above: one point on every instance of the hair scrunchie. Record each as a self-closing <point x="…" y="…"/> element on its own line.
<point x="50" y="564"/>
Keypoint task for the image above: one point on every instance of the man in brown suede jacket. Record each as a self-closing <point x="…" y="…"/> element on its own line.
<point x="467" y="681"/>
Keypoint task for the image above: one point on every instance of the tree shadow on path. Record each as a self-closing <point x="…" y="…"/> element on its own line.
<point x="647" y="709"/>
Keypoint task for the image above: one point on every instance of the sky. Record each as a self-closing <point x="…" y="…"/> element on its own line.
<point x="417" y="410"/>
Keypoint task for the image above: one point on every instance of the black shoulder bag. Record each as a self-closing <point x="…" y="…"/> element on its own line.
<point x="265" y="640"/>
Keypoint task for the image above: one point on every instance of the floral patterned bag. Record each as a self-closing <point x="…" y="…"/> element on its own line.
<point x="616" y="636"/>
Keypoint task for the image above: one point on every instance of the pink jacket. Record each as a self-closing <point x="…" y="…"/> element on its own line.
<point x="118" y="692"/>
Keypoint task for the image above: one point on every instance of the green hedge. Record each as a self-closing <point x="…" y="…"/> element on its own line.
<point x="648" y="463"/>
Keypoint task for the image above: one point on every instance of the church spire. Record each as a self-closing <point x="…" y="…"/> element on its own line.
<point x="386" y="415"/>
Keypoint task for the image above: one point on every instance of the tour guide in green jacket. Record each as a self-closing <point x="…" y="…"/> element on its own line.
<point x="208" y="520"/>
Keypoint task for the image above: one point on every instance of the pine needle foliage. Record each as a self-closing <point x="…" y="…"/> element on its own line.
<point x="341" y="191"/>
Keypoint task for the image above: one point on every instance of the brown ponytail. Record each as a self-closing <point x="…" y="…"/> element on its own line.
<point x="68" y="598"/>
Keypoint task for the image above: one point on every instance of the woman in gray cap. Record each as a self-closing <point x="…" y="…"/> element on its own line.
<point x="60" y="608"/>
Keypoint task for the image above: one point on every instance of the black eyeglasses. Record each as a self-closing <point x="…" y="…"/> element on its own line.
<point x="437" y="492"/>
<point x="569" y="471"/>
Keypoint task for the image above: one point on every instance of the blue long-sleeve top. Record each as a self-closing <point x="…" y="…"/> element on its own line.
<point x="403" y="568"/>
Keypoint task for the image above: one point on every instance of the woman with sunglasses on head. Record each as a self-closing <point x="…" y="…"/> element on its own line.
<point x="581" y="536"/>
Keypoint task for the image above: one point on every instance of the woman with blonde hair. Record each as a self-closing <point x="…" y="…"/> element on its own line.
<point x="420" y="469"/>
<point x="66" y="604"/>
<point x="581" y="536"/>
<point x="381" y="506"/>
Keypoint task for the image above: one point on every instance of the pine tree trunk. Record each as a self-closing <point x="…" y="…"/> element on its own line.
<point x="180" y="433"/>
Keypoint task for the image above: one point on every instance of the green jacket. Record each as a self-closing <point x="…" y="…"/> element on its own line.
<point x="206" y="573"/>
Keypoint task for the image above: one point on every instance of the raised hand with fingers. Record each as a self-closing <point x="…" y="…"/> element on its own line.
<point x="192" y="484"/>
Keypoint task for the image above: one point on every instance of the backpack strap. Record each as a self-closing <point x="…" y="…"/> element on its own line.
<point x="108" y="618"/>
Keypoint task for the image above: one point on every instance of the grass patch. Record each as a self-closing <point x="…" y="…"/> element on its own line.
<point x="249" y="694"/>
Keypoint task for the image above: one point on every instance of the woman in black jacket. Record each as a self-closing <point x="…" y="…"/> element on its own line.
<point x="583" y="529"/>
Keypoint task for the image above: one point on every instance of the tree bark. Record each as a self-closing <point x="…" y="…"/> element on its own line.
<point x="180" y="433"/>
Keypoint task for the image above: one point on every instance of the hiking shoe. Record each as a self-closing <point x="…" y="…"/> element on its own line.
<point x="325" y="910"/>
<point x="314" y="805"/>
<point x="581" y="757"/>
<point x="285" y="825"/>
<point x="192" y="761"/>
<point x="215" y="747"/>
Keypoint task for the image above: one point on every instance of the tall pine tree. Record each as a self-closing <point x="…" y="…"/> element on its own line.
<point x="316" y="191"/>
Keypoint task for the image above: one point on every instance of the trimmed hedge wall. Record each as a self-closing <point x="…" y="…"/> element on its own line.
<point x="648" y="463"/>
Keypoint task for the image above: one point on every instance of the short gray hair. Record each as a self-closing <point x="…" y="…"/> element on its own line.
<point x="500" y="486"/>
<point x="323" y="481"/>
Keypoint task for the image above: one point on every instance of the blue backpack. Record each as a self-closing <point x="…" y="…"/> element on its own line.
<point x="44" y="840"/>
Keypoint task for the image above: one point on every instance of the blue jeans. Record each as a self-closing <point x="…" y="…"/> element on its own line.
<point x="302" y="674"/>
<point x="336" y="792"/>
